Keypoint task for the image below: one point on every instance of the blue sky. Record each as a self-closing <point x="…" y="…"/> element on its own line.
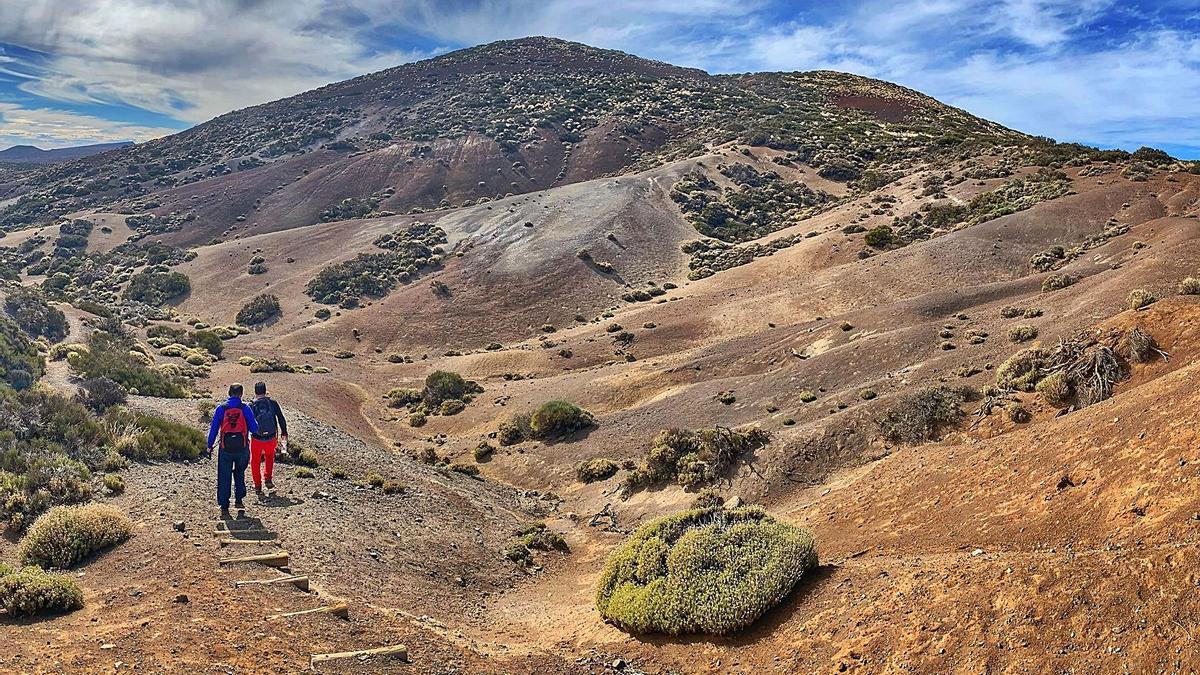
<point x="1106" y="73"/>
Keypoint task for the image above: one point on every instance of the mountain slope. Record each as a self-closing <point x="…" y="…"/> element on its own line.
<point x="28" y="154"/>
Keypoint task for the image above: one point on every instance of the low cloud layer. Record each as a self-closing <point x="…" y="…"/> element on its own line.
<point x="1095" y="71"/>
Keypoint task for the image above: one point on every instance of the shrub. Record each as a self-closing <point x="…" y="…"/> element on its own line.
<point x="157" y="288"/>
<point x="465" y="469"/>
<point x="110" y="356"/>
<point x="1057" y="282"/>
<point x="162" y="439"/>
<point x="393" y="487"/>
<point x="1017" y="413"/>
<point x="1055" y="389"/>
<point x="100" y="393"/>
<point x="1189" y="286"/>
<point x="1139" y="345"/>
<point x="709" y="571"/>
<point x="596" y="469"/>
<point x="443" y="385"/>
<point x="1010" y="312"/>
<point x="375" y="480"/>
<point x="114" y="483"/>
<point x="303" y="472"/>
<point x="1022" y="333"/>
<point x="536" y="537"/>
<point x="708" y="498"/>
<point x="451" y="406"/>
<point x="867" y="394"/>
<point x="555" y="419"/>
<point x="693" y="458"/>
<point x="1022" y="370"/>
<point x="35" y="316"/>
<point x="337" y="472"/>
<point x="483" y="451"/>
<point x="261" y="309"/>
<point x="208" y="341"/>
<point x="879" y="237"/>
<point x="20" y="364"/>
<point x="66" y="535"/>
<point x="922" y="415"/>
<point x="32" y="591"/>
<point x="417" y="419"/>
<point x="514" y="430"/>
<point x="1140" y="297"/>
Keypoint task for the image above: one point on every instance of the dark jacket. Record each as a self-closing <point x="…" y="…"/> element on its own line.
<point x="219" y="414"/>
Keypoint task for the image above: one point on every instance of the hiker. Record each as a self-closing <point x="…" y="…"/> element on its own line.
<point x="234" y="421"/>
<point x="263" y="442"/>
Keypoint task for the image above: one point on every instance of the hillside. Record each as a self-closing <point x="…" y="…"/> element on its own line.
<point x="844" y="264"/>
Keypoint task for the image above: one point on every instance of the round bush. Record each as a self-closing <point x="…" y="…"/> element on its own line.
<point x="558" y="418"/>
<point x="1140" y="297"/>
<point x="32" y="591"/>
<point x="65" y="535"/>
<point x="709" y="571"/>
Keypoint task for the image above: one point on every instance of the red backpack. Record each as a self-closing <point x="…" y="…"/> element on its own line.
<point x="233" y="430"/>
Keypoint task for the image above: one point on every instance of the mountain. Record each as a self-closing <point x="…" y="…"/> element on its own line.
<point x="28" y="154"/>
<point x="967" y="352"/>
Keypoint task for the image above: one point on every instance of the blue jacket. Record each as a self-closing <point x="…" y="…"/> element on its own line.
<point x="219" y="414"/>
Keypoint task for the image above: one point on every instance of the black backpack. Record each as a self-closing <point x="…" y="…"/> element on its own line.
<point x="264" y="414"/>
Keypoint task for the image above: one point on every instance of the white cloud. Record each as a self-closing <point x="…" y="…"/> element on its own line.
<point x="48" y="128"/>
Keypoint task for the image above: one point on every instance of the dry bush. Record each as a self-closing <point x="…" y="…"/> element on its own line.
<point x="1140" y="346"/>
<point x="1057" y="282"/>
<point x="1189" y="286"/>
<point x="1023" y="333"/>
<point x="1056" y="389"/>
<point x="593" y="470"/>
<point x="1140" y="297"/>
<point x="693" y="458"/>
<point x="1022" y="370"/>
<point x="711" y="571"/>
<point x="65" y="535"/>
<point x="922" y="415"/>
<point x="536" y="537"/>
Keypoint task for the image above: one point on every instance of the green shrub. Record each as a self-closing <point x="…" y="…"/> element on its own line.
<point x="483" y="451"/>
<point x="1140" y="297"/>
<point x="693" y="458"/>
<point x="299" y="454"/>
<point x="110" y="356"/>
<point x="114" y="483"/>
<point x="163" y="439"/>
<point x="514" y="430"/>
<point x="708" y="498"/>
<point x="465" y="469"/>
<point x="20" y="364"/>
<point x="35" y="316"/>
<point x="100" y="394"/>
<point x="375" y="480"/>
<point x="208" y="341"/>
<point x="32" y="591"/>
<point x="261" y="309"/>
<point x="338" y="473"/>
<point x="393" y="487"/>
<point x="711" y="571"/>
<point x="401" y="397"/>
<point x="555" y="419"/>
<point x="1055" y="389"/>
<point x="303" y="472"/>
<point x="451" y="406"/>
<point x="867" y="394"/>
<point x="1189" y="286"/>
<point x="443" y="385"/>
<point x="879" y="237"/>
<point x="1023" y="333"/>
<point x="922" y="415"/>
<point x="593" y="470"/>
<point x="536" y="537"/>
<point x="157" y="288"/>
<point x="417" y="419"/>
<point x="66" y="535"/>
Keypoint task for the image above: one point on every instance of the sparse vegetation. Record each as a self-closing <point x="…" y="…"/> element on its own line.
<point x="113" y="483"/>
<point x="157" y="288"/>
<point x="66" y="535"/>
<point x="536" y="537"/>
<point x="711" y="571"/>
<point x="1023" y="333"/>
<point x="1140" y="297"/>
<point x="1057" y="282"/>
<point x="34" y="315"/>
<point x="114" y="357"/>
<point x="406" y="253"/>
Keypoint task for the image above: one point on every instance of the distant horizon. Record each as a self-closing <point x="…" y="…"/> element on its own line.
<point x="1094" y="72"/>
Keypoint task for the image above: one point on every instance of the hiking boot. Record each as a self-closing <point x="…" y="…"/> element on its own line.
<point x="258" y="490"/>
<point x="225" y="515"/>
<point x="270" y="484"/>
<point x="239" y="505"/>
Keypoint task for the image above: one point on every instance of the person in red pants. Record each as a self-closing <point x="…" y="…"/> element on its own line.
<point x="272" y="428"/>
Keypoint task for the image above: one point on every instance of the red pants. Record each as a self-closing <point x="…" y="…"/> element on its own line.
<point x="260" y="450"/>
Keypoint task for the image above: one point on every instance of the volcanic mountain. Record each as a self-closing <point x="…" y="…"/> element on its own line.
<point x="969" y="350"/>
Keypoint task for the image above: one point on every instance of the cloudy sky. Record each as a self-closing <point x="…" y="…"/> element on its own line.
<point x="1107" y="73"/>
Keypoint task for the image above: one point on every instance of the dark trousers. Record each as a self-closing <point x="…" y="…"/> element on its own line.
<point x="231" y="474"/>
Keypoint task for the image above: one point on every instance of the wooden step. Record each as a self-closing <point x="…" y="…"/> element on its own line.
<point x="341" y="610"/>
<point x="300" y="582"/>
<point x="261" y="542"/>
<point x="279" y="559"/>
<point x="396" y="651"/>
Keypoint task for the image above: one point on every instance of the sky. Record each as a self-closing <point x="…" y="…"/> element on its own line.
<point x="1100" y="72"/>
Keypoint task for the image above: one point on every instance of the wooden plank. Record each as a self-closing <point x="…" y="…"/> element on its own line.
<point x="300" y="582"/>
<point x="279" y="559"/>
<point x="236" y="542"/>
<point x="340" y="610"/>
<point x="397" y="651"/>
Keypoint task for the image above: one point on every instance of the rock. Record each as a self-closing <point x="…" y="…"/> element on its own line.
<point x="107" y="645"/>
<point x="182" y="599"/>
<point x="618" y="664"/>
<point x="180" y="526"/>
<point x="977" y="552"/>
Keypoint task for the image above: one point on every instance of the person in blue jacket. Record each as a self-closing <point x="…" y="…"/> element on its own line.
<point x="229" y="434"/>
